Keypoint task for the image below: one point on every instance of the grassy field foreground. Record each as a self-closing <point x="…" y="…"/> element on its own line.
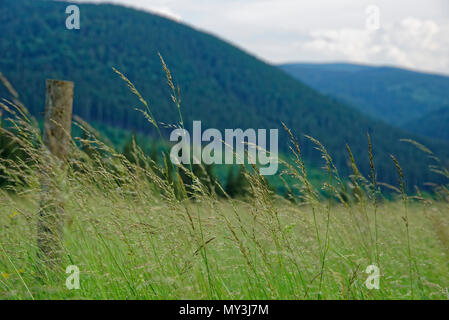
<point x="141" y="248"/>
<point x="133" y="237"/>
<point x="137" y="229"/>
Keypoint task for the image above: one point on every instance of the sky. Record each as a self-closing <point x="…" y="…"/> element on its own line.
<point x="412" y="34"/>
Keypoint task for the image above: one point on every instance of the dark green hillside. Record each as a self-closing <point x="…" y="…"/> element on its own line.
<point x="220" y="84"/>
<point x="433" y="125"/>
<point x="390" y="94"/>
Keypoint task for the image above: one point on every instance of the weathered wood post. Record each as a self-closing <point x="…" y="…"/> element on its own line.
<point x="57" y="128"/>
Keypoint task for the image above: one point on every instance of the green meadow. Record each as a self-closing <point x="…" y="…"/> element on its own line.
<point x="136" y="228"/>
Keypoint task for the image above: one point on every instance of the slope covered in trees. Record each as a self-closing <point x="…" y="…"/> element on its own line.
<point x="221" y="85"/>
<point x="434" y="124"/>
<point x="394" y="95"/>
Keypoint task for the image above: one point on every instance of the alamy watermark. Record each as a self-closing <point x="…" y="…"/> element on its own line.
<point x="73" y="20"/>
<point x="373" y="280"/>
<point x="249" y="145"/>
<point x="73" y="280"/>
<point x="372" y="22"/>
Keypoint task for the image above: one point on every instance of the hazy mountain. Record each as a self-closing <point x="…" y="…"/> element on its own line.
<point x="434" y="124"/>
<point x="220" y="84"/>
<point x="393" y="95"/>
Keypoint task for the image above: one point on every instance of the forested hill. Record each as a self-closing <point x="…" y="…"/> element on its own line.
<point x="220" y="84"/>
<point x="435" y="124"/>
<point x="393" y="95"/>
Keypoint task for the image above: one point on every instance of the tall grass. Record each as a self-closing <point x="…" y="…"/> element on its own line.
<point x="136" y="233"/>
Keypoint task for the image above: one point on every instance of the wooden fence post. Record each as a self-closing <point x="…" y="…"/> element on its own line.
<point x="57" y="128"/>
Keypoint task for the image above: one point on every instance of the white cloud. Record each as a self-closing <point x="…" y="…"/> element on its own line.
<point x="411" y="42"/>
<point x="160" y="7"/>
<point x="413" y="33"/>
<point x="167" y="12"/>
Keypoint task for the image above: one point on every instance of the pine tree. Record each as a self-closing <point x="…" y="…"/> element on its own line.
<point x="88" y="148"/>
<point x="205" y="175"/>
<point x="9" y="150"/>
<point x="237" y="185"/>
<point x="129" y="149"/>
<point x="154" y="153"/>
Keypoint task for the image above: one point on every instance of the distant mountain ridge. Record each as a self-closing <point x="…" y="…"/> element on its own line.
<point x="221" y="85"/>
<point x="394" y="95"/>
<point x="434" y="124"/>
